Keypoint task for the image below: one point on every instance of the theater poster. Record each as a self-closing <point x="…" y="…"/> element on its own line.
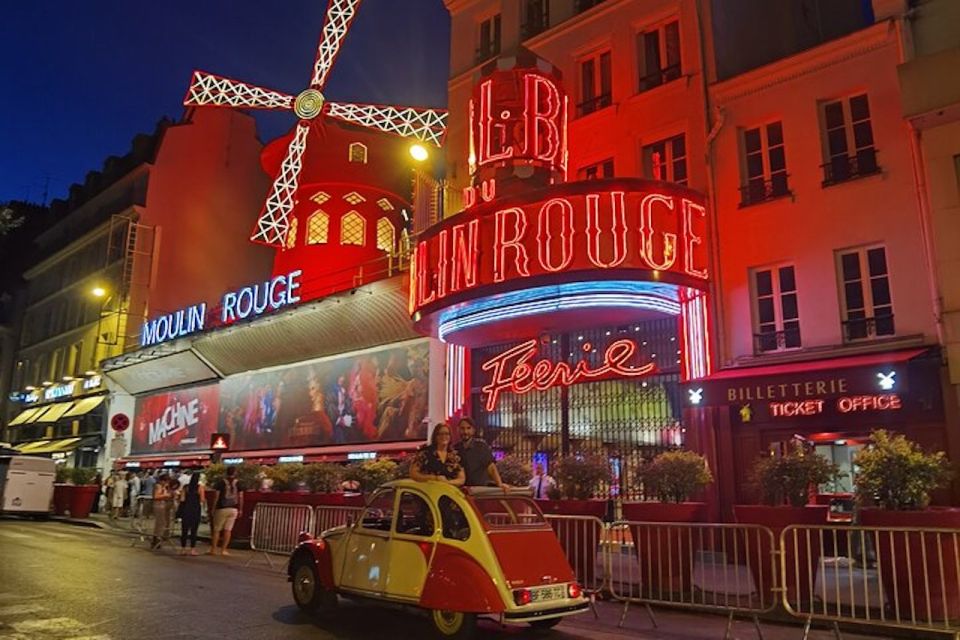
<point x="176" y="420"/>
<point x="372" y="396"/>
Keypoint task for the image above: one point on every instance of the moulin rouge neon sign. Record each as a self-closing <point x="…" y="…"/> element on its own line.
<point x="526" y="376"/>
<point x="627" y="225"/>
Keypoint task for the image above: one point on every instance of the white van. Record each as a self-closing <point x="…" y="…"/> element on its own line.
<point x="26" y="484"/>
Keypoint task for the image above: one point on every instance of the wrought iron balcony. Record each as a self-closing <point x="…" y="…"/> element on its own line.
<point x="867" y="328"/>
<point x="776" y="340"/>
<point x="594" y="104"/>
<point x="760" y="190"/>
<point x="486" y="51"/>
<point x="843" y="168"/>
<point x="657" y="78"/>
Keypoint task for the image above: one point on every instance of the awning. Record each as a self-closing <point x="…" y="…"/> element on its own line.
<point x="54" y="412"/>
<point x="30" y="446"/>
<point x="869" y="373"/>
<point x="25" y="415"/>
<point x="84" y="406"/>
<point x="62" y="445"/>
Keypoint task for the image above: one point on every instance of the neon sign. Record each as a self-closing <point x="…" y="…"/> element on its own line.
<point x="844" y="404"/>
<point x="527" y="376"/>
<point x="249" y="301"/>
<point x="624" y="225"/>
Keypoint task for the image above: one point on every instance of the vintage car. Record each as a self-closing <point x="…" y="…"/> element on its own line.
<point x="456" y="553"/>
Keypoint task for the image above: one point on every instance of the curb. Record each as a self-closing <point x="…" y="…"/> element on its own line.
<point x="81" y="522"/>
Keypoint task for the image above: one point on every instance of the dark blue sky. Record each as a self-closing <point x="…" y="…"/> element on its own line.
<point x="80" y="79"/>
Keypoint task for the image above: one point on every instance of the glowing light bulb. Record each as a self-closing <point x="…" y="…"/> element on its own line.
<point x="419" y="152"/>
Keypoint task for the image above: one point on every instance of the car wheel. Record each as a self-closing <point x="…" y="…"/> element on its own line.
<point x="454" y="625"/>
<point x="308" y="592"/>
<point x="544" y="625"/>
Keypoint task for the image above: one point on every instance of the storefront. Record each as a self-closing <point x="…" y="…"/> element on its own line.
<point x="64" y="421"/>
<point x="832" y="405"/>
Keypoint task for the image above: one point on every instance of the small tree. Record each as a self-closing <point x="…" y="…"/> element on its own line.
<point x="896" y="474"/>
<point x="788" y="478"/>
<point x="371" y="473"/>
<point x="82" y="475"/>
<point x="579" y="477"/>
<point x="323" y="477"/>
<point x="287" y="476"/>
<point x="675" y="476"/>
<point x="514" y="471"/>
<point x="62" y="474"/>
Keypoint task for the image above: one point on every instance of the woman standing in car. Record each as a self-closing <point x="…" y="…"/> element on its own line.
<point x="438" y="460"/>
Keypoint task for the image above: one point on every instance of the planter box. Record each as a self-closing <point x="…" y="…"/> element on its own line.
<point x="665" y="554"/>
<point x="900" y="560"/>
<point x="580" y="544"/>
<point x="80" y="499"/>
<point x="244" y="522"/>
<point x="61" y="499"/>
<point x="799" y="585"/>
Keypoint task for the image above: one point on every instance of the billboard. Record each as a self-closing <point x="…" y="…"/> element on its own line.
<point x="373" y="396"/>
<point x="175" y="421"/>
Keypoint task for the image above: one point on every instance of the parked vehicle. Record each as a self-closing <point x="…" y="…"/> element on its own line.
<point x="455" y="553"/>
<point x="26" y="484"/>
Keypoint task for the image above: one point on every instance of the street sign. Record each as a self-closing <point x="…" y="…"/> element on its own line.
<point x="120" y="422"/>
<point x="220" y="441"/>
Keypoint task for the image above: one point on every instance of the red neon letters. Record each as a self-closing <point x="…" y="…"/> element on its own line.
<point x="597" y="229"/>
<point x="527" y="376"/>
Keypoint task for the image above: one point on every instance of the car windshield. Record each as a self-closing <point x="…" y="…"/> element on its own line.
<point x="506" y="512"/>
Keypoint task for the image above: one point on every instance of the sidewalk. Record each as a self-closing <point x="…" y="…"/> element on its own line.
<point x="129" y="526"/>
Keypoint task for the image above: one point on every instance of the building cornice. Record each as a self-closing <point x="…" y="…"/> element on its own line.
<point x="877" y="36"/>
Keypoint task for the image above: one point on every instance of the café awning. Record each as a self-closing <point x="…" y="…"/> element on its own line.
<point x="83" y="406"/>
<point x="61" y="445"/>
<point x="53" y="412"/>
<point x="25" y="416"/>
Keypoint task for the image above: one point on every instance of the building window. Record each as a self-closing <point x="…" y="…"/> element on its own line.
<point x="385" y="235"/>
<point x="354" y="198"/>
<point x="596" y="89"/>
<point x="318" y="228"/>
<point x="867" y="305"/>
<point x="488" y="44"/>
<point x="596" y="171"/>
<point x="76" y="359"/>
<point x="352" y="229"/>
<point x="358" y="152"/>
<point x="775" y="310"/>
<point x="848" y="140"/>
<point x="292" y="234"/>
<point x="764" y="164"/>
<point x="658" y="55"/>
<point x="666" y="160"/>
<point x="20" y="373"/>
<point x="56" y="365"/>
<point x="536" y="18"/>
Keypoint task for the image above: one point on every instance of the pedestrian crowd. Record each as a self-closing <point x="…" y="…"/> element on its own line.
<point x="167" y="497"/>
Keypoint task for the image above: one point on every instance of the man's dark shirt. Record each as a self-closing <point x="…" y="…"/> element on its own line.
<point x="475" y="460"/>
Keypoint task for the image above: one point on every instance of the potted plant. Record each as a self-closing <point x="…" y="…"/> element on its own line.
<point x="61" y="492"/>
<point x="80" y="494"/>
<point x="784" y="484"/>
<point x="514" y="471"/>
<point x="323" y="477"/>
<point x="897" y="476"/>
<point x="285" y="477"/>
<point x="673" y="477"/>
<point x="370" y="474"/>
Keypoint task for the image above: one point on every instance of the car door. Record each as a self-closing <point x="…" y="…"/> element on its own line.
<point x="414" y="535"/>
<point x="367" y="556"/>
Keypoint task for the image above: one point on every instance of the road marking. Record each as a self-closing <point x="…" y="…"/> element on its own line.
<point x="14" y="535"/>
<point x="21" y="609"/>
<point x="60" y="626"/>
<point x="57" y="534"/>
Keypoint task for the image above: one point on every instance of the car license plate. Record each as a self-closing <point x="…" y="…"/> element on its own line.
<point x="543" y="594"/>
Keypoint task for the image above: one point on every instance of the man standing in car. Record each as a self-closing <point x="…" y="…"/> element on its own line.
<point x="476" y="457"/>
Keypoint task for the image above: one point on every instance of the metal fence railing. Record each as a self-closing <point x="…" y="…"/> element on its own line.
<point x="276" y="528"/>
<point x="328" y="517"/>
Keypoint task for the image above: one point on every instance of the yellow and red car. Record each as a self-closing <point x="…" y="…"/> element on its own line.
<point x="456" y="553"/>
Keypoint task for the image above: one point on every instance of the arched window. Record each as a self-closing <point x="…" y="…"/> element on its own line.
<point x="358" y="152"/>
<point x="385" y="233"/>
<point x="352" y="229"/>
<point x="318" y="228"/>
<point x="292" y="234"/>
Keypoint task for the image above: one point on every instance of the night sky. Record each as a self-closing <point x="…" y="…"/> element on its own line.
<point x="80" y="79"/>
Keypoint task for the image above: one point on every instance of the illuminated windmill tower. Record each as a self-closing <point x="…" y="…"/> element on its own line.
<point x="339" y="201"/>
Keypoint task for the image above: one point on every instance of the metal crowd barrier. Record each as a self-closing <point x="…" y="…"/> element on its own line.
<point x="884" y="576"/>
<point x="728" y="568"/>
<point x="276" y="528"/>
<point x="581" y="538"/>
<point x="143" y="521"/>
<point x="327" y="517"/>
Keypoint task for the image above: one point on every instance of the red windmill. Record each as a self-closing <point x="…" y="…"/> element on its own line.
<point x="273" y="225"/>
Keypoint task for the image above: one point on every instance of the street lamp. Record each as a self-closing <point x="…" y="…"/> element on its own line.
<point x="98" y="292"/>
<point x="419" y="152"/>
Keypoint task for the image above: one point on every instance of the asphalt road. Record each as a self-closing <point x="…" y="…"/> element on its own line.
<point x="61" y="582"/>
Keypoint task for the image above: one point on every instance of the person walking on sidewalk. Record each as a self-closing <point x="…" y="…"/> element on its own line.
<point x="162" y="502"/>
<point x="146" y="491"/>
<point x="191" y="497"/>
<point x="134" y="486"/>
<point x="229" y="506"/>
<point x="119" y="496"/>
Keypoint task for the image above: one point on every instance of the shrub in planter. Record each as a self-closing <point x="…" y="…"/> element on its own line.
<point x="80" y="496"/>
<point x="370" y="474"/>
<point x="402" y="470"/>
<point x="898" y="476"/>
<point x="673" y="477"/>
<point x="287" y="476"/>
<point x="62" y="474"/>
<point x="579" y="477"/>
<point x="514" y="471"/>
<point x="323" y="477"/>
<point x="784" y="483"/>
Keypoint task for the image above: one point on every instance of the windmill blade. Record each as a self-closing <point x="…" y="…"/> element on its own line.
<point x="274" y="222"/>
<point x="427" y="125"/>
<point x="340" y="14"/>
<point x="208" y="89"/>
